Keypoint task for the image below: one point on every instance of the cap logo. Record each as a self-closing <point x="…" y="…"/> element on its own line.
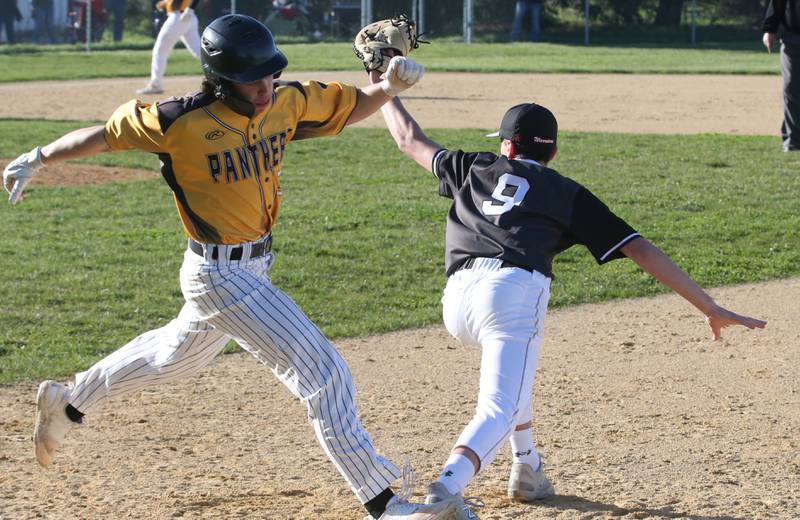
<point x="543" y="141"/>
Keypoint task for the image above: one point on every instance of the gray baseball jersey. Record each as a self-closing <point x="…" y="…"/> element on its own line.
<point x="521" y="212"/>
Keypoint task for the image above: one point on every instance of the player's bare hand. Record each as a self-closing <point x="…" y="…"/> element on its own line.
<point x="401" y="74"/>
<point x="19" y="173"/>
<point x="769" y="41"/>
<point x="720" y="318"/>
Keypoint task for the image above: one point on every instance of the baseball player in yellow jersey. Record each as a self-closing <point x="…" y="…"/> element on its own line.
<point x="181" y="24"/>
<point x="221" y="154"/>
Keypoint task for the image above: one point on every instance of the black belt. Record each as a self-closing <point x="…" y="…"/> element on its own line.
<point x="259" y="249"/>
<point x="471" y="261"/>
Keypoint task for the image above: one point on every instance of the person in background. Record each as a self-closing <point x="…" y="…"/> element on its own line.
<point x="782" y="17"/>
<point x="118" y="8"/>
<point x="43" y="21"/>
<point x="181" y="24"/>
<point x="9" y="13"/>
<point x="522" y="8"/>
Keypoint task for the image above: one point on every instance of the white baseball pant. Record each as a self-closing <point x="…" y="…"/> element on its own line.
<point x="501" y="310"/>
<point x="236" y="300"/>
<point x="172" y="30"/>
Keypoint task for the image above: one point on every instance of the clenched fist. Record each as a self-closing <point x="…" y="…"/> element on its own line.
<point x="400" y="75"/>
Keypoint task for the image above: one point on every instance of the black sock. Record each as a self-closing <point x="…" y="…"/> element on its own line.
<point x="73" y="414"/>
<point x="377" y="505"/>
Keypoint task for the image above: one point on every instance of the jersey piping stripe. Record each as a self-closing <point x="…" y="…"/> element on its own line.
<point x="305" y="129"/>
<point x="294" y="84"/>
<point x="264" y="121"/>
<point x="218" y="120"/>
<point x="529" y="161"/>
<point x="435" y="160"/>
<point x="205" y="231"/>
<point x="619" y="244"/>
<point x="173" y="109"/>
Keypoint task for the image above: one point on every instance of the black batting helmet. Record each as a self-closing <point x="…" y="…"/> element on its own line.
<point x="240" y="49"/>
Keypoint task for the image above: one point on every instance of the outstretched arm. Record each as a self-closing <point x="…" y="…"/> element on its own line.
<point x="78" y="143"/>
<point x="370" y="99"/>
<point x="83" y="142"/>
<point x="662" y="268"/>
<point x="408" y="135"/>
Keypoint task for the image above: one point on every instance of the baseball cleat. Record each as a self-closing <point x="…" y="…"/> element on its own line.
<point x="151" y="88"/>
<point x="399" y="509"/>
<point x="438" y="494"/>
<point x="52" y="423"/>
<point x="526" y="485"/>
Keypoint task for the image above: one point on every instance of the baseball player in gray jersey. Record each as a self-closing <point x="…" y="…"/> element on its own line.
<point x="511" y="215"/>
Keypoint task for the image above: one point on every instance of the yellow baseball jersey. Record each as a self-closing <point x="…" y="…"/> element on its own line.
<point x="224" y="168"/>
<point x="177" y="5"/>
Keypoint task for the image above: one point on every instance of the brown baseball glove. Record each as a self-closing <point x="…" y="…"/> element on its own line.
<point x="376" y="43"/>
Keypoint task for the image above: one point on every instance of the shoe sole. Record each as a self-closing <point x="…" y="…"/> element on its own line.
<point x="451" y="513"/>
<point x="522" y="496"/>
<point x="43" y="457"/>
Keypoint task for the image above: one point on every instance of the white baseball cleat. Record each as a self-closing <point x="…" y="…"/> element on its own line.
<point x="52" y="423"/>
<point x="151" y="88"/>
<point x="399" y="509"/>
<point x="438" y="493"/>
<point x="526" y="485"/>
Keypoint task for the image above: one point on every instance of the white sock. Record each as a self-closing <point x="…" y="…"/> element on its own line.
<point x="523" y="449"/>
<point x="457" y="472"/>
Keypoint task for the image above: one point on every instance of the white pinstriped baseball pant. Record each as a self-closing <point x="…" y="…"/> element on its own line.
<point x="236" y="300"/>
<point x="502" y="311"/>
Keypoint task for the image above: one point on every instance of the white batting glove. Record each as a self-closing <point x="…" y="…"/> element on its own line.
<point x="401" y="74"/>
<point x="20" y="171"/>
<point x="186" y="14"/>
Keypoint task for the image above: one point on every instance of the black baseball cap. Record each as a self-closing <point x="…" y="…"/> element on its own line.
<point x="528" y="125"/>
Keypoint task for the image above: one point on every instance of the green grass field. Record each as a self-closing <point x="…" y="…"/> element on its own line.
<point x="67" y="62"/>
<point x="360" y="246"/>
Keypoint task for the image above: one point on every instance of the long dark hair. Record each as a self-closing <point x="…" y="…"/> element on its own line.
<point x="208" y="88"/>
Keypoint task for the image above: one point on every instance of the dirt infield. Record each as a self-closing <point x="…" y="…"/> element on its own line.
<point x="638" y="413"/>
<point x="603" y="102"/>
